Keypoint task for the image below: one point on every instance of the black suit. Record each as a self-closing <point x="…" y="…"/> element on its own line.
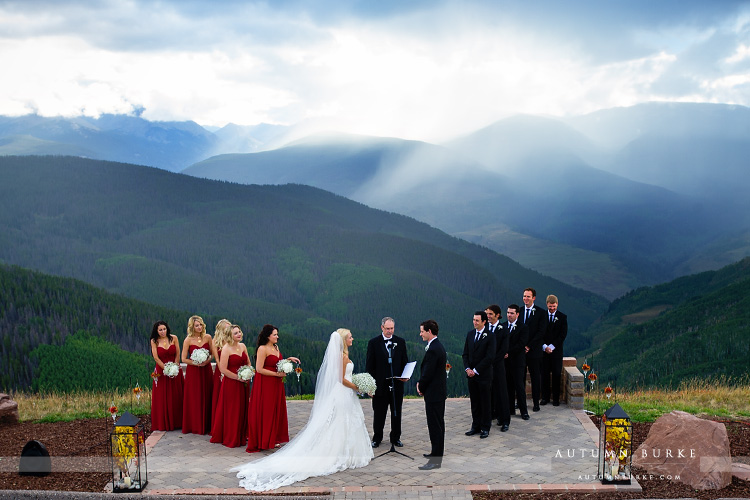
<point x="557" y="330"/>
<point x="515" y="365"/>
<point x="376" y="365"/>
<point x="537" y="325"/>
<point x="432" y="384"/>
<point x="478" y="356"/>
<point x="500" y="402"/>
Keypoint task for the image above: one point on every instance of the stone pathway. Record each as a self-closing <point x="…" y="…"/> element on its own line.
<point x="550" y="452"/>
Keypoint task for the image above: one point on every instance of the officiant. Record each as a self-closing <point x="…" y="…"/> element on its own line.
<point x="378" y="351"/>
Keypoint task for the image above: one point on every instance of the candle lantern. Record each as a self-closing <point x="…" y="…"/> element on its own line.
<point x="127" y="455"/>
<point x="615" y="446"/>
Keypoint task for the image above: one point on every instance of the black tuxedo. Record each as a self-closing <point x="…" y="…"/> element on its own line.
<point x="537" y="325"/>
<point x="500" y="402"/>
<point x="376" y="364"/>
<point x="556" y="332"/>
<point x="433" y="385"/>
<point x="478" y="356"/>
<point x="515" y="365"/>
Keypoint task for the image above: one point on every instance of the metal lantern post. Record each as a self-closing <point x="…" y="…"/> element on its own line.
<point x="615" y="446"/>
<point x="127" y="455"/>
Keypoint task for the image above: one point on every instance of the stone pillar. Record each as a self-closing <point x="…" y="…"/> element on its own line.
<point x="572" y="382"/>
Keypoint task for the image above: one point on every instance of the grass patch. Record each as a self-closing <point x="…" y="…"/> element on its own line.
<point x="63" y="407"/>
<point x="723" y="397"/>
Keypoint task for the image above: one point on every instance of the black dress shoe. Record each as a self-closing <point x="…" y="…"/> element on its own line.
<point x="484" y="434"/>
<point x="555" y="403"/>
<point x="398" y="443"/>
<point x="525" y="416"/>
<point x="429" y="455"/>
<point x="543" y="402"/>
<point x="375" y="444"/>
<point x="429" y="466"/>
<point x="535" y="408"/>
<point x="471" y="432"/>
<point x="504" y="428"/>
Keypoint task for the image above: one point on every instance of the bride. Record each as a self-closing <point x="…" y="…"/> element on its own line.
<point x="335" y="437"/>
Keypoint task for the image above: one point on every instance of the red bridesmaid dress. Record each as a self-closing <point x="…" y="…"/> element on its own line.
<point x="230" y="421"/>
<point x="216" y="386"/>
<point x="166" y="395"/>
<point x="267" y="424"/>
<point x="196" y="408"/>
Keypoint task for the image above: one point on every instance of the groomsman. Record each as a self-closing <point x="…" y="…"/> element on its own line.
<point x="552" y="360"/>
<point x="515" y="362"/>
<point x="535" y="319"/>
<point x="432" y="385"/>
<point x="479" y="352"/>
<point x="500" y="404"/>
<point x="376" y="364"/>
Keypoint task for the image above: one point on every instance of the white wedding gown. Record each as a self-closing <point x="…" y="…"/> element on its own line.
<point x="335" y="437"/>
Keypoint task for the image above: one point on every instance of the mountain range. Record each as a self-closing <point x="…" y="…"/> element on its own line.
<point x="606" y="201"/>
<point x="562" y="197"/>
<point x="304" y="259"/>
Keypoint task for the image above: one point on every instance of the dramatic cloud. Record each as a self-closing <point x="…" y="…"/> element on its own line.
<point x="422" y="70"/>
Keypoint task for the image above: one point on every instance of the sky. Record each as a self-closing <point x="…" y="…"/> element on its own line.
<point x="411" y="69"/>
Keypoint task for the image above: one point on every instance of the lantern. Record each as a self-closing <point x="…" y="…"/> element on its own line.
<point x="127" y="455"/>
<point x="615" y="446"/>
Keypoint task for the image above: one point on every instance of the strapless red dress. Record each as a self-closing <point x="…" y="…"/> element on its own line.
<point x="267" y="423"/>
<point x="230" y="420"/>
<point x="196" y="399"/>
<point x="166" y="395"/>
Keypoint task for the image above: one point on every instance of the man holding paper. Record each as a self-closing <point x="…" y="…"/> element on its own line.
<point x="379" y="349"/>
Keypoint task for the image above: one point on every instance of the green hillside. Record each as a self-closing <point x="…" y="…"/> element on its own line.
<point x="301" y="258"/>
<point x="695" y="326"/>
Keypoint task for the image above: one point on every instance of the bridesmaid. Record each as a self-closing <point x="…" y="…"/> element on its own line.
<point x="267" y="422"/>
<point x="222" y="334"/>
<point x="166" y="392"/>
<point x="196" y="407"/>
<point x="230" y="421"/>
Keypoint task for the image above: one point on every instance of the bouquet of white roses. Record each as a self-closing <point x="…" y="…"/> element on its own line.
<point x="199" y="356"/>
<point x="171" y="369"/>
<point x="245" y="373"/>
<point x="365" y="383"/>
<point x="285" y="366"/>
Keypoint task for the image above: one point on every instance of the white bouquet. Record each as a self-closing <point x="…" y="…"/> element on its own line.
<point x="171" y="369"/>
<point x="365" y="383"/>
<point x="285" y="366"/>
<point x="199" y="356"/>
<point x="245" y="373"/>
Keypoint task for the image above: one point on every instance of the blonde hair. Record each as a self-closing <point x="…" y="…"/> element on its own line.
<point x="551" y="299"/>
<point x="231" y="336"/>
<point x="223" y="333"/>
<point x="191" y="322"/>
<point x="344" y="334"/>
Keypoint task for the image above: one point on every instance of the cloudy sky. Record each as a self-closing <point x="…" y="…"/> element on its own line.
<point x="405" y="68"/>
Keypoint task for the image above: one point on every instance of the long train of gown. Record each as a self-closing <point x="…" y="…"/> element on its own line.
<point x="334" y="439"/>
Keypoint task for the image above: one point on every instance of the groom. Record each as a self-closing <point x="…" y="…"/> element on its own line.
<point x="376" y="364"/>
<point x="432" y="385"/>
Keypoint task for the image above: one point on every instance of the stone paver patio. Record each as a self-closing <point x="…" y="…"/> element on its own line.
<point x="551" y="452"/>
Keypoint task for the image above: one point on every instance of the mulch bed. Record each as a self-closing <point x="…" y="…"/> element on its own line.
<point x="78" y="439"/>
<point x="739" y="443"/>
<point x="83" y="438"/>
